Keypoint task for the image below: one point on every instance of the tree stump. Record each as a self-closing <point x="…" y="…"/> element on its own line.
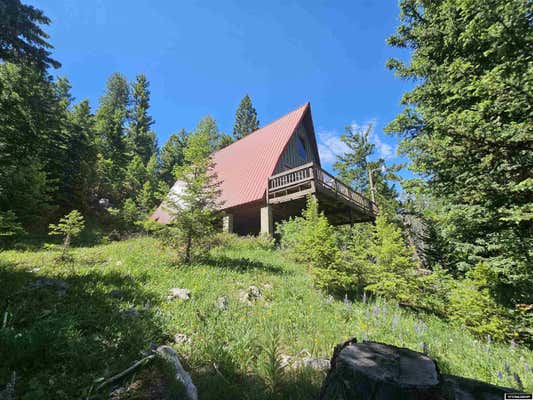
<point x="377" y="371"/>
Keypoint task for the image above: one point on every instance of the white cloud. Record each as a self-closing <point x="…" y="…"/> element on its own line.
<point x="385" y="150"/>
<point x="330" y="144"/>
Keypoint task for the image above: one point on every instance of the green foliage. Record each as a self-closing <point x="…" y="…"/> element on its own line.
<point x="311" y="239"/>
<point x="172" y="155"/>
<point x="141" y="139"/>
<point x="9" y="227"/>
<point x="69" y="226"/>
<point x="60" y="344"/>
<point x="245" y="119"/>
<point x="110" y="126"/>
<point x="467" y="128"/>
<point x="472" y="305"/>
<point x="22" y="40"/>
<point x="355" y="167"/>
<point x="196" y="208"/>
<point x="391" y="273"/>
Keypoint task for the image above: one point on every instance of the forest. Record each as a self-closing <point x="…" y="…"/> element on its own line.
<point x="455" y="243"/>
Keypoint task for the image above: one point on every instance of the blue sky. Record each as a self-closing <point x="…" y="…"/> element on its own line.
<point x="202" y="57"/>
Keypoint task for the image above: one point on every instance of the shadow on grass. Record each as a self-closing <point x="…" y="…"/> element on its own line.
<point x="60" y="333"/>
<point x="223" y="380"/>
<point x="242" y="264"/>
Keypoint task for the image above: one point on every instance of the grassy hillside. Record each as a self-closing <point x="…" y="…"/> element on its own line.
<point x="60" y="341"/>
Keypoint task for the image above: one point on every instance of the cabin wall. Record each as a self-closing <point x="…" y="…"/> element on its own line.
<point x="291" y="158"/>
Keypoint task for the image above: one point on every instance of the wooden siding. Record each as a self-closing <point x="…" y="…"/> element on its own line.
<point x="291" y="158"/>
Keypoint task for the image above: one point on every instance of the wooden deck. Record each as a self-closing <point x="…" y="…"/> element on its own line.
<point x="340" y="203"/>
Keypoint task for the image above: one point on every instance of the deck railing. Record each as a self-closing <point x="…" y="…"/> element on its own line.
<point x="311" y="172"/>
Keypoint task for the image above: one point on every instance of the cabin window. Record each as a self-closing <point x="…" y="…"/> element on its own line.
<point x="301" y="148"/>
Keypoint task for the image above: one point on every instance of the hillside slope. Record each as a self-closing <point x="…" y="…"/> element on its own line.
<point x="111" y="304"/>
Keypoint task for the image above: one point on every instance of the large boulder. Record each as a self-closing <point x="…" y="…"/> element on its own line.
<point x="377" y="371"/>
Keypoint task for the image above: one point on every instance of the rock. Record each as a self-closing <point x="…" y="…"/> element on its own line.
<point x="181" y="338"/>
<point x="179" y="293"/>
<point x="8" y="393"/>
<point x="267" y="286"/>
<point x="58" y="284"/>
<point x="376" y="371"/>
<point x="182" y="376"/>
<point x="130" y="312"/>
<point x="319" y="364"/>
<point x="116" y="294"/>
<point x="222" y="303"/>
<point x="247" y="296"/>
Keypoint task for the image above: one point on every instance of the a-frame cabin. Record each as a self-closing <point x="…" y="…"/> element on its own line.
<point x="266" y="177"/>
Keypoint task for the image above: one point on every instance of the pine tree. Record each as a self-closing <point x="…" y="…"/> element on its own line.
<point x="172" y="155"/>
<point x="245" y="119"/>
<point x="78" y="164"/>
<point x="467" y="127"/>
<point x="31" y="142"/>
<point x="196" y="208"/>
<point x="22" y="40"/>
<point x="111" y="119"/>
<point x="355" y="166"/>
<point x="208" y="127"/>
<point x="141" y="139"/>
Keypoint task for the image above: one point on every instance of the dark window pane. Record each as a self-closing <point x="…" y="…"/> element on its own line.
<point x="301" y="148"/>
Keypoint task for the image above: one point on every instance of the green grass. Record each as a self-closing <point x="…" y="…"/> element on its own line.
<point x="59" y="345"/>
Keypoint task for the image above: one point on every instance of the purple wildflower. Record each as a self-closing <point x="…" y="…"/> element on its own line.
<point x="499" y="374"/>
<point x="395" y="321"/>
<point x="513" y="344"/>
<point x="507" y="368"/>
<point x="518" y="381"/>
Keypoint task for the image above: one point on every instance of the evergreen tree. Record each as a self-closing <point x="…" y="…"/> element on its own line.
<point x="195" y="209"/>
<point x="355" y="166"/>
<point x="142" y="140"/>
<point x="22" y="40"/>
<point x="245" y="119"/>
<point x="82" y="151"/>
<point x="172" y="155"/>
<point x="467" y="127"/>
<point x="110" y="126"/>
<point x="31" y="141"/>
<point x="208" y="127"/>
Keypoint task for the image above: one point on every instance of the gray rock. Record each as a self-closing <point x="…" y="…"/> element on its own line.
<point x="116" y="294"/>
<point x="179" y="293"/>
<point x="253" y="293"/>
<point x="8" y="393"/>
<point x="181" y="338"/>
<point x="59" y="285"/>
<point x="319" y="364"/>
<point x="131" y="312"/>
<point x="222" y="303"/>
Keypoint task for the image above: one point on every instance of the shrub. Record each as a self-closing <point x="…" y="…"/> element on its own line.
<point x="311" y="239"/>
<point x="392" y="270"/>
<point x="10" y="228"/>
<point x="471" y="304"/>
<point x="70" y="226"/>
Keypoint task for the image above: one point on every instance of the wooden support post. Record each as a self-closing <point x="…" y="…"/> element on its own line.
<point x="267" y="221"/>
<point x="227" y="223"/>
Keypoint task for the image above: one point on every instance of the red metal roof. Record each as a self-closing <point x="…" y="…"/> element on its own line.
<point x="243" y="167"/>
